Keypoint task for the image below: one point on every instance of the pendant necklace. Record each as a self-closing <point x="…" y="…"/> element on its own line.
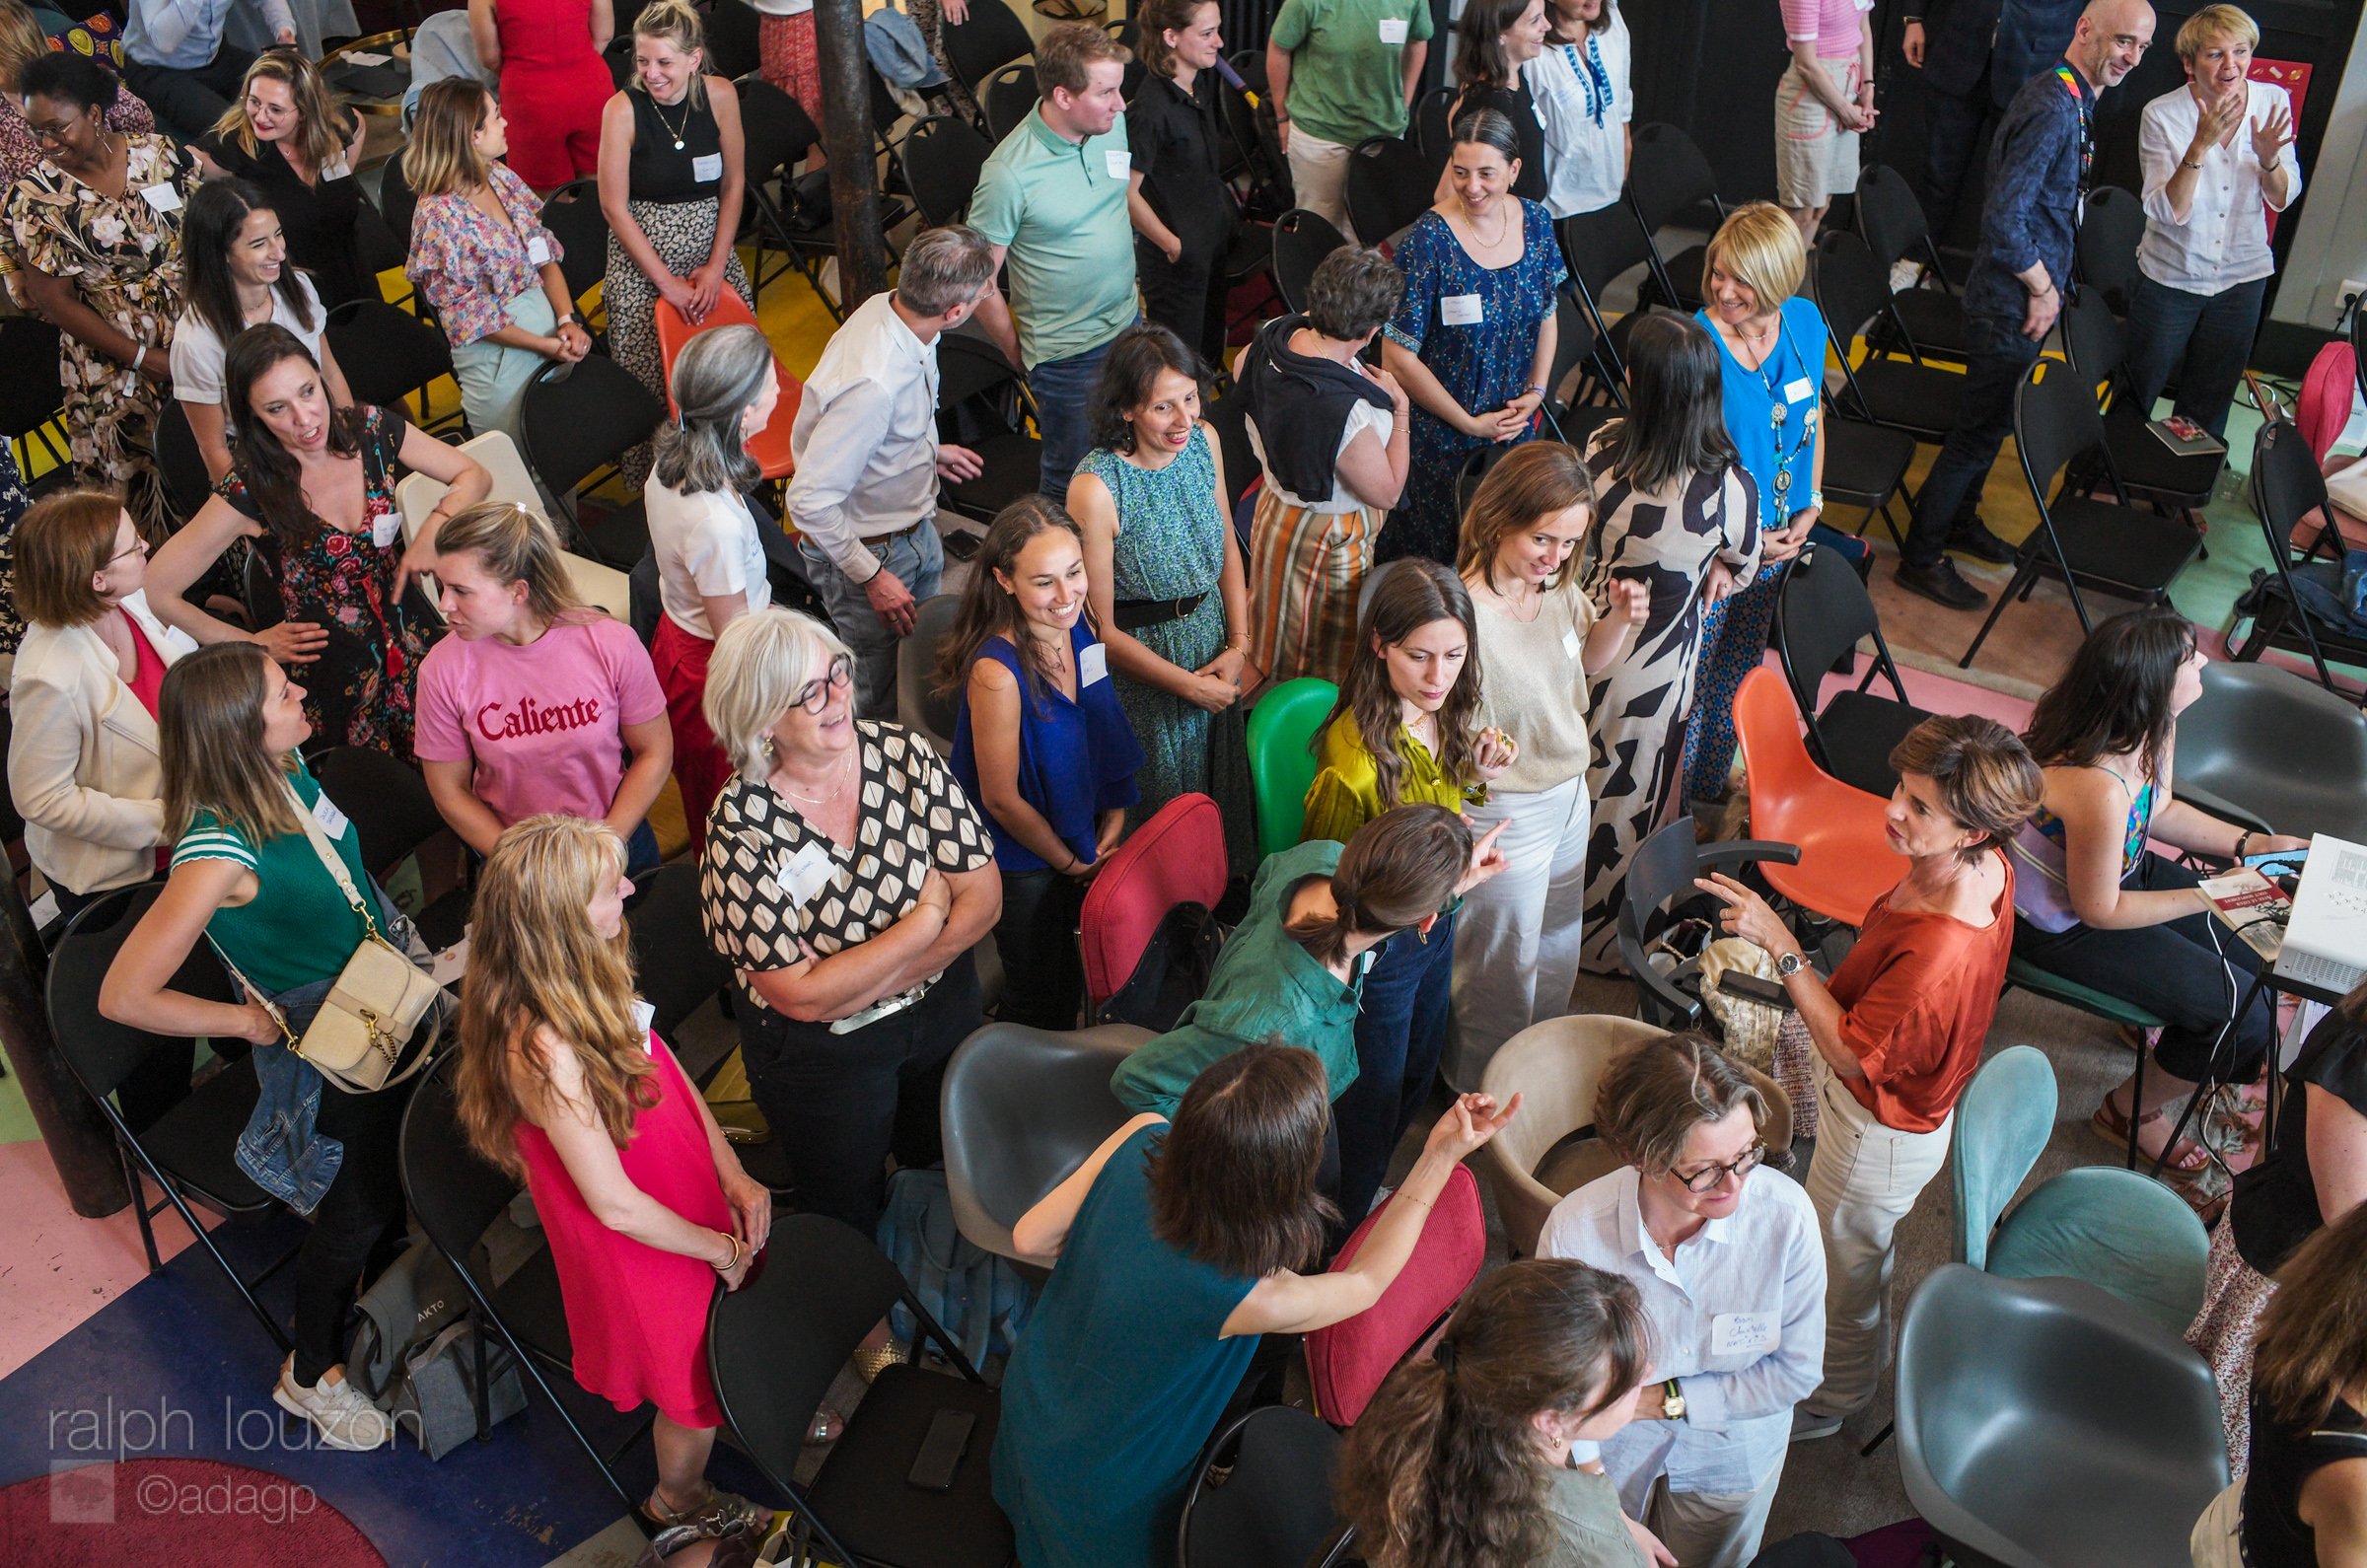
<point x="683" y="130"/>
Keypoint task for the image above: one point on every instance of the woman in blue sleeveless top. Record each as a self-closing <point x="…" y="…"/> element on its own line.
<point x="1041" y="744"/>
<point x="1176" y="1247"/>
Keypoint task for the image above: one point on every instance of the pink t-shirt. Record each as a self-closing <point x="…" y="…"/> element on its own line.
<point x="542" y="722"/>
<point x="1832" y="23"/>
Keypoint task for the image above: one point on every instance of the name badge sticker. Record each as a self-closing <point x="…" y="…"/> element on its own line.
<point x="325" y="813"/>
<point x="644" y="1015"/>
<point x="1393" y="29"/>
<point x="537" y="250"/>
<point x="1798" y="391"/>
<point x="1461" y="309"/>
<point x="340" y="170"/>
<point x="806" y="873"/>
<point x="1093" y="664"/>
<point x="1120" y="162"/>
<point x="163" y="197"/>
<point x="386" y="531"/>
<point x="1743" y="1334"/>
<point x="706" y="166"/>
<point x="1569" y="643"/>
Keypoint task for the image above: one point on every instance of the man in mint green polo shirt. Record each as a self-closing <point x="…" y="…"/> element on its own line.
<point x="1053" y="200"/>
<point x="1341" y="71"/>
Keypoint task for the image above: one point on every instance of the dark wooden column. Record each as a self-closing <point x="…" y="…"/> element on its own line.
<point x="854" y="158"/>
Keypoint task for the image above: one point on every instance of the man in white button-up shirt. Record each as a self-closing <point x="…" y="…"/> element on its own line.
<point x="2218" y="156"/>
<point x="868" y="459"/>
<point x="1731" y="1267"/>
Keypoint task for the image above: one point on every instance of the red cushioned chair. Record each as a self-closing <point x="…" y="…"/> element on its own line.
<point x="770" y="447"/>
<point x="1348" y="1361"/>
<point x="1845" y="858"/>
<point x="1176" y="857"/>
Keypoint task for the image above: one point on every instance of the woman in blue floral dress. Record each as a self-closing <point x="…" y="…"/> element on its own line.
<point x="1472" y="341"/>
<point x="1168" y="596"/>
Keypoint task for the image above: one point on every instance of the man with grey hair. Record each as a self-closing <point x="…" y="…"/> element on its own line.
<point x="868" y="461"/>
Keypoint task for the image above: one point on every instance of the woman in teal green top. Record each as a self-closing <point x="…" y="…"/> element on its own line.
<point x="1172" y="1249"/>
<point x="1163" y="569"/>
<point x="247" y="875"/>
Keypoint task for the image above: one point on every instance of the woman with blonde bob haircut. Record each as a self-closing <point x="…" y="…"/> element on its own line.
<point x="289" y="136"/>
<point x="847" y="877"/>
<point x="534" y="700"/>
<point x="1517" y="939"/>
<point x="562" y="1084"/>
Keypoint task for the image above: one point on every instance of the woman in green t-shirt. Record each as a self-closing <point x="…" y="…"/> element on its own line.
<point x="247" y="875"/>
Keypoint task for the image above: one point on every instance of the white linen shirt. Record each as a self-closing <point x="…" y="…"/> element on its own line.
<point x="1756" y="1274"/>
<point x="1586" y="164"/>
<point x="865" y="440"/>
<point x="2224" y="240"/>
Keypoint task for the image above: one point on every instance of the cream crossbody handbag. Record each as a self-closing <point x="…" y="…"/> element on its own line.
<point x="371" y="1011"/>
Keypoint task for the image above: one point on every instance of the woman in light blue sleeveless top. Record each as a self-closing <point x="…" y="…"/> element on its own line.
<point x="2094" y="905"/>
<point x="1177" y="1247"/>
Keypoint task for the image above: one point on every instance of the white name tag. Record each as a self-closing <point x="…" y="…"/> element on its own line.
<point x="325" y="813"/>
<point x="164" y="198"/>
<point x="1798" y="391"/>
<point x="537" y="250"/>
<point x="806" y="874"/>
<point x="706" y="166"/>
<point x="340" y="170"/>
<point x="1461" y="309"/>
<point x="385" y="531"/>
<point x="1743" y="1334"/>
<point x="1093" y="663"/>
<point x="1393" y="29"/>
<point x="1119" y="163"/>
<point x="1569" y="643"/>
<point x="644" y="1015"/>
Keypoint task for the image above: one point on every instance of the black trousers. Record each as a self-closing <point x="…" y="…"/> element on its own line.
<point x="2001" y="356"/>
<point x="357" y="1229"/>
<point x="1955" y="130"/>
<point x="1044" y="976"/>
<point x="188" y="103"/>
<point x="1186" y="296"/>
<point x="843" y="1103"/>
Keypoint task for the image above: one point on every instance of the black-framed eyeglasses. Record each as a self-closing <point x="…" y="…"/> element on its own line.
<point x="56" y="131"/>
<point x="1709" y="1175"/>
<point x="815" y="696"/>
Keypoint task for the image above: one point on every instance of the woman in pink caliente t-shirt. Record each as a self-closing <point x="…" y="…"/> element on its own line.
<point x="532" y="702"/>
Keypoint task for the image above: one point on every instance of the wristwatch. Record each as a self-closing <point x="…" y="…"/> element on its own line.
<point x="1672" y="1401"/>
<point x="1789" y="964"/>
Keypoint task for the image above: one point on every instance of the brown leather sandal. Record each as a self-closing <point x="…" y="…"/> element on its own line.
<point x="2114" y="1129"/>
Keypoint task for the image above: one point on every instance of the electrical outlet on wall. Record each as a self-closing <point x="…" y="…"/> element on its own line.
<point x="2352" y="288"/>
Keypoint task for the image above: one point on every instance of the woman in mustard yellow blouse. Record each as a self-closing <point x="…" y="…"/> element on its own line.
<point x="1415" y="679"/>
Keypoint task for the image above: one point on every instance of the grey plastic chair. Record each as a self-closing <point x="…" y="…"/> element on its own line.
<point x="2115" y="1230"/>
<point x="2042" y="1425"/>
<point x="1021" y="1108"/>
<point x="2274" y="751"/>
<point x="2003" y="1119"/>
<point x="919" y="707"/>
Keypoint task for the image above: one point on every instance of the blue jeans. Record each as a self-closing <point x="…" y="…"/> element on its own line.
<point x="1400" y="1029"/>
<point x="2202" y="339"/>
<point x="641" y="856"/>
<point x="1063" y="393"/>
<point x="2001" y="356"/>
<point x="918" y="560"/>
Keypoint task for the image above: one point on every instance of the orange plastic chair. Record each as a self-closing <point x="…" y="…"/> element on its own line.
<point x="770" y="448"/>
<point x="1845" y="860"/>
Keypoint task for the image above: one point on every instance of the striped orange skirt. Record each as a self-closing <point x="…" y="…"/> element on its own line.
<point x="1306" y="569"/>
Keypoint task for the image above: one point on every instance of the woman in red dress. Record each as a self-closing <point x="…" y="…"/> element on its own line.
<point x="553" y="82"/>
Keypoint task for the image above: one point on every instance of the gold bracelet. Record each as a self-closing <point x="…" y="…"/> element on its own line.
<point x="1410" y="1198"/>
<point x="734" y="1261"/>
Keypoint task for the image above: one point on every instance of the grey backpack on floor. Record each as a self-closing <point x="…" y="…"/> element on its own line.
<point x="435" y="1399"/>
<point x="413" y="1355"/>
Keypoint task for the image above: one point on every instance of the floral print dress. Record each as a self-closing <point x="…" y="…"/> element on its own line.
<point x="122" y="255"/>
<point x="361" y="691"/>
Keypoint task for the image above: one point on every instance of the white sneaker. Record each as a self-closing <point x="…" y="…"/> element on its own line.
<point x="1904" y="275"/>
<point x="342" y="1417"/>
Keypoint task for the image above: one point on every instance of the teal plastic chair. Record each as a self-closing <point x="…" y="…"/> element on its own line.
<point x="2030" y="977"/>
<point x="1281" y="763"/>
<point x="2118" y="1231"/>
<point x="2003" y="1119"/>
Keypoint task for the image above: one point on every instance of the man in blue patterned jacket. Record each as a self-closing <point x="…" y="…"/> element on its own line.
<point x="2038" y="184"/>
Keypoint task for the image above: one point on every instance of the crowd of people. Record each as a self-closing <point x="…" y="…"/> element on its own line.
<point x="1535" y="646"/>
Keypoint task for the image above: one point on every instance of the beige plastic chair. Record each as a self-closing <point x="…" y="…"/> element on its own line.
<point x="1535" y="1163"/>
<point x="417" y="496"/>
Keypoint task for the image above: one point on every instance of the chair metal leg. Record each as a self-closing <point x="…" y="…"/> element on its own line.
<point x="2028" y="571"/>
<point x="139" y="1206"/>
<point x="485" y="1401"/>
<point x="205" y="1239"/>
<point x="1880" y="1438"/>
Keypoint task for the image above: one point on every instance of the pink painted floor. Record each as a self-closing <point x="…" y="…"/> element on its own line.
<point x="57" y="1269"/>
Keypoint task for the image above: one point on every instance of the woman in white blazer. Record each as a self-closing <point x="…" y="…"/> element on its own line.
<point x="82" y="756"/>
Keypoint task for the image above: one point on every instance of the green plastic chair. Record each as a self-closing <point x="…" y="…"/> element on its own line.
<point x="2118" y="1231"/>
<point x="2003" y="1119"/>
<point x="1281" y="765"/>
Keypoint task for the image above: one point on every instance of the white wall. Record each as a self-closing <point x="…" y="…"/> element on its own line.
<point x="2332" y="243"/>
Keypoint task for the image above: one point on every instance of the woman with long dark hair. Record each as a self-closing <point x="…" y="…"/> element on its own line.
<point x="2098" y="907"/>
<point x="314" y="489"/>
<point x="1173" y="1249"/>
<point x="1678" y="513"/>
<point x="1041" y="745"/>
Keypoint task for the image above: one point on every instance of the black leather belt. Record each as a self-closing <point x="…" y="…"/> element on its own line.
<point x="1135" y="613"/>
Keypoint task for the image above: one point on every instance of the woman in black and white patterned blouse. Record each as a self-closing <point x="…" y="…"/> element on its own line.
<point x="846" y="875"/>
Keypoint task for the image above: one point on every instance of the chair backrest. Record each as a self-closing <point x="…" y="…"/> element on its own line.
<point x="100" y="1051"/>
<point x="2276" y="726"/>
<point x="1603" y="246"/>
<point x="1389" y="187"/>
<point x="386" y="798"/>
<point x="260" y="590"/>
<point x="774" y="128"/>
<point x="674" y="966"/>
<point x="398" y="200"/>
<point x="2003" y="1119"/>
<point x="919" y="707"/>
<point x="1274" y="1510"/>
<point x="2287" y="475"/>
<point x="1021" y="1108"/>
<point x="1666" y="174"/>
<point x="942" y="158"/>
<point x="1660" y="876"/>
<point x="1821" y="610"/>
<point x="2097" y="340"/>
<point x="1282" y="766"/>
<point x="573" y="213"/>
<point x="1573" y="341"/>
<point x="1554" y="1067"/>
<point x="1302" y="240"/>
<point x="579" y="418"/>
<point x="1848" y="283"/>
<point x="1348" y="1362"/>
<point x="2108" y="239"/>
<point x="1230" y="418"/>
<point x="968" y="367"/>
<point x="1785" y="781"/>
<point x="732" y="28"/>
<point x="1431" y="131"/>
<point x="454" y="1190"/>
<point x="386" y="353"/>
<point x="991" y="38"/>
<point x="2055" y="419"/>
<point x="186" y="480"/>
<point x="1176" y="857"/>
<point x="417" y="493"/>
<point x="1010" y="93"/>
<point x="2119" y="1230"/>
<point x="1888" y="213"/>
<point x="32" y="391"/>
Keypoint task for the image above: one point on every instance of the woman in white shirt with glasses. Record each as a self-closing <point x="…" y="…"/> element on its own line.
<point x="2218" y="156"/>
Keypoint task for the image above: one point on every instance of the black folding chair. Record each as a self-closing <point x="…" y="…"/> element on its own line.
<point x="1261" y="1494"/>
<point x="190" y="1152"/>
<point x="388" y="354"/>
<point x="1573" y="420"/>
<point x="1891" y="218"/>
<point x="572" y="213"/>
<point x="2289" y="489"/>
<point x="2148" y="468"/>
<point x="777" y="132"/>
<point x="733" y="46"/>
<point x="982" y="402"/>
<point x="1010" y="93"/>
<point x="1601" y="247"/>
<point x="992" y="37"/>
<point x="1256" y="142"/>
<point x="1666" y="179"/>
<point x="258" y="587"/>
<point x="1865" y="463"/>
<point x="390" y="807"/>
<point x="187" y="483"/>
<point x="774" y="1347"/>
<point x="1302" y="240"/>
<point x="33" y="393"/>
<point x="1852" y="292"/>
<point x="2110" y="549"/>
<point x="1389" y="187"/>
<point x="1660" y="880"/>
<point x="1431" y="132"/>
<point x="2107" y="241"/>
<point x="578" y="421"/>
<point x="1821" y="613"/>
<point x="1229" y="417"/>
<point x="942" y="158"/>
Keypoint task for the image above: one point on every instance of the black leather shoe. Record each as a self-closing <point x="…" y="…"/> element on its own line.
<point x="1939" y="583"/>
<point x="1975" y="540"/>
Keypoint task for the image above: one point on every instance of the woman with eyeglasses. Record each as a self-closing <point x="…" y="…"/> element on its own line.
<point x="1727" y="1259"/>
<point x="847" y="877"/>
